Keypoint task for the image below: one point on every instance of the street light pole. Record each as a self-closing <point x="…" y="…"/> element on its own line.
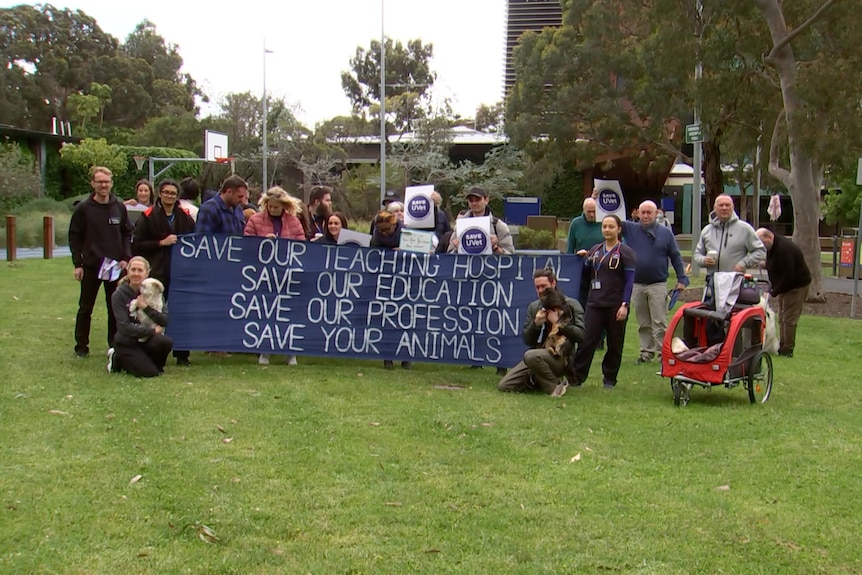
<point x="264" y="148"/>
<point x="698" y="146"/>
<point x="382" y="106"/>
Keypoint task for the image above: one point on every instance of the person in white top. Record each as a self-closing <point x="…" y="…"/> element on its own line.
<point x="189" y="193"/>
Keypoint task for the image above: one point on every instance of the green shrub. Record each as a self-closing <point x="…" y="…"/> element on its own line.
<point x="530" y="239"/>
<point x="565" y="196"/>
<point x="19" y="181"/>
<point x="43" y="206"/>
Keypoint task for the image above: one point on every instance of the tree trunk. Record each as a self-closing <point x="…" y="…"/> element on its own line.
<point x="713" y="177"/>
<point x="743" y="196"/>
<point x="800" y="179"/>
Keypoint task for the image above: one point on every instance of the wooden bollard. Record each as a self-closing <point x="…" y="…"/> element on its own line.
<point x="48" y="237"/>
<point x="11" y="247"/>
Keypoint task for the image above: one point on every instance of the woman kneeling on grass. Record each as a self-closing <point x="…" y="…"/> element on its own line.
<point x="139" y="350"/>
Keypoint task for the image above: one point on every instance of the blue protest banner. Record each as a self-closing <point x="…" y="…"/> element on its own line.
<point x="260" y="295"/>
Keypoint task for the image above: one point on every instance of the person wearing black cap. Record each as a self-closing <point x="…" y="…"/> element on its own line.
<point x="501" y="237"/>
<point x="389" y="196"/>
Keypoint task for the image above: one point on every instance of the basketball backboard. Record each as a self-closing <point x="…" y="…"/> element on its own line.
<point x="215" y="145"/>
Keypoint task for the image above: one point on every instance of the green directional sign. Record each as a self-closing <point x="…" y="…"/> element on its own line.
<point x="694" y="133"/>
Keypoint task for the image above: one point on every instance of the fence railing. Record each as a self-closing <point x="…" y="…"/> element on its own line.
<point x="47" y="238"/>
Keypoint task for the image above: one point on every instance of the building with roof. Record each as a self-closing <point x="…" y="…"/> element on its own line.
<point x="41" y="145"/>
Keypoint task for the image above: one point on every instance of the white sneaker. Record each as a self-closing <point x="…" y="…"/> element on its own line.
<point x="291" y="360"/>
<point x="263" y="359"/>
<point x="110" y="366"/>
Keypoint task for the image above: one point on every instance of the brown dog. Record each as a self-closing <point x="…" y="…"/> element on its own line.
<point x="557" y="343"/>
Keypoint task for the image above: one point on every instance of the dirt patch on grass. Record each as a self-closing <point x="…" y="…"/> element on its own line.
<point x="837" y="304"/>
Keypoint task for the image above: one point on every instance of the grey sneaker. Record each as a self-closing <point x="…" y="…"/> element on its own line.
<point x="561" y="388"/>
<point x="110" y="366"/>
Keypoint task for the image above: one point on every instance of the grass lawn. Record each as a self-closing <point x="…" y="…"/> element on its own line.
<point x="338" y="466"/>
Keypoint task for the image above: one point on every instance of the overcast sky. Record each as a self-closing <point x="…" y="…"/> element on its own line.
<point x="312" y="42"/>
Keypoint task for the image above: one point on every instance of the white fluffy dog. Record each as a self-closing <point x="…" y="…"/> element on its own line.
<point x="154" y="294"/>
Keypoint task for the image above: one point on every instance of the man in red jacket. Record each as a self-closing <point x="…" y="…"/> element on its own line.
<point x="790" y="277"/>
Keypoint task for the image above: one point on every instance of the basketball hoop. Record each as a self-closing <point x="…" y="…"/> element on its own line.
<point x="139" y="161"/>
<point x="227" y="161"/>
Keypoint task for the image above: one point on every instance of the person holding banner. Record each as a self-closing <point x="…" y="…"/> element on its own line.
<point x="387" y="235"/>
<point x="138" y="349"/>
<point x="396" y="208"/>
<point x="279" y="218"/>
<point x="611" y="266"/>
<point x="318" y="210"/>
<point x="222" y="213"/>
<point x="156" y="234"/>
<point x="143" y="195"/>
<point x="334" y="224"/>
<point x="501" y="237"/>
<point x="541" y="369"/>
<point x="387" y="231"/>
<point x="441" y="219"/>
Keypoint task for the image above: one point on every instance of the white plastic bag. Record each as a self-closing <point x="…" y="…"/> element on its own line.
<point x="770" y="336"/>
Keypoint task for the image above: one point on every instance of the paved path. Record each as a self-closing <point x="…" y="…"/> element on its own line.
<point x="840" y="285"/>
<point x="30" y="253"/>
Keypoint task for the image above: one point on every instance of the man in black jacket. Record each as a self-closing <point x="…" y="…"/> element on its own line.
<point x="541" y="369"/>
<point x="99" y="239"/>
<point x="790" y="277"/>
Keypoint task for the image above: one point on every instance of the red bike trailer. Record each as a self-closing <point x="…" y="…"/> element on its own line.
<point x="740" y="359"/>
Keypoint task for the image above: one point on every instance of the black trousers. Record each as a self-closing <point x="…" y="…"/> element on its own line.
<point x="90" y="284"/>
<point x="598" y="320"/>
<point x="143" y="359"/>
<point x="179" y="354"/>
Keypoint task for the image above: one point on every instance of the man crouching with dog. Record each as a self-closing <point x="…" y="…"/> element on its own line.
<point x="554" y="328"/>
<point x="141" y="347"/>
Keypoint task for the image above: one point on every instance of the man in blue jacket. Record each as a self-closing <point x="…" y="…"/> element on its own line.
<point x="654" y="246"/>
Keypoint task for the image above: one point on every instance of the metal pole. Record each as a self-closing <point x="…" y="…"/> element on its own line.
<point x="756" y="211"/>
<point x="382" y="106"/>
<point x="857" y="250"/>
<point x="696" y="195"/>
<point x="263" y="162"/>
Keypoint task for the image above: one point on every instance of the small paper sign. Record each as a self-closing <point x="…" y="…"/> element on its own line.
<point x="110" y="270"/>
<point x="418" y="207"/>
<point x="353" y="238"/>
<point x="610" y="200"/>
<point x="416" y="241"/>
<point x="474" y="235"/>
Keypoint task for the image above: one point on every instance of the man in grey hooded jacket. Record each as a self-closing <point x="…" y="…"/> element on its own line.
<point x="727" y="243"/>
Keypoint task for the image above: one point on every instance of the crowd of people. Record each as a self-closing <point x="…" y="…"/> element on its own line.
<point x="626" y="265"/>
